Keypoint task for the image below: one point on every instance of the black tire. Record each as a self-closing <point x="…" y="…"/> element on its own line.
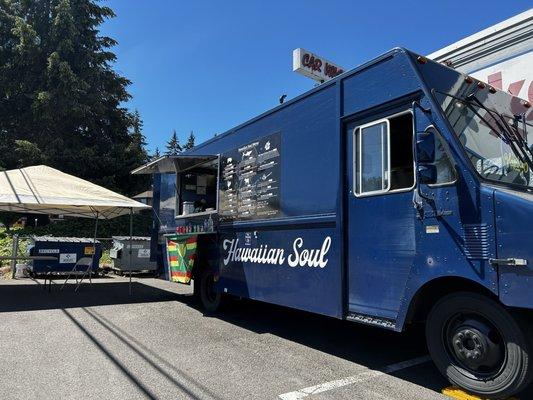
<point x="479" y="346"/>
<point x="211" y="299"/>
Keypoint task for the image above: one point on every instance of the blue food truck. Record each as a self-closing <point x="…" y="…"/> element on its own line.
<point x="398" y="192"/>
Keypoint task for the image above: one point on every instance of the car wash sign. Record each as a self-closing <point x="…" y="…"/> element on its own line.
<point x="313" y="66"/>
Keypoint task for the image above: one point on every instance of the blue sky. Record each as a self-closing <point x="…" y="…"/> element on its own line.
<point x="207" y="66"/>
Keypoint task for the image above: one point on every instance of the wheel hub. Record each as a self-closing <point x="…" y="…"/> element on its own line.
<point x="476" y="345"/>
<point x="469" y="344"/>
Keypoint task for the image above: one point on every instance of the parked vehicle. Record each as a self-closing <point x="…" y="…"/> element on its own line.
<point x="400" y="191"/>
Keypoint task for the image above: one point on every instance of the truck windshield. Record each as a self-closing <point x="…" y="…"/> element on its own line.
<point x="497" y="135"/>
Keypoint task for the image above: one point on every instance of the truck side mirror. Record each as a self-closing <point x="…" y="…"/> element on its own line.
<point x="427" y="174"/>
<point x="425" y="147"/>
<point x="425" y="156"/>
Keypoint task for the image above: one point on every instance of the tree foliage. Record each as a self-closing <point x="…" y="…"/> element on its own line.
<point x="61" y="101"/>
<point x="190" y="141"/>
<point x="8" y="218"/>
<point x="173" y="145"/>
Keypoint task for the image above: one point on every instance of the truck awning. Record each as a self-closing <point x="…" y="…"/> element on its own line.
<point x="173" y="164"/>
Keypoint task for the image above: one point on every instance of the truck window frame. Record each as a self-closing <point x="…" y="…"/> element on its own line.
<point x="359" y="159"/>
<point x="356" y="159"/>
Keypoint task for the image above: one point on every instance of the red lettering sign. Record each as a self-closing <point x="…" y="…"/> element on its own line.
<point x="310" y="61"/>
<point x="332" y="71"/>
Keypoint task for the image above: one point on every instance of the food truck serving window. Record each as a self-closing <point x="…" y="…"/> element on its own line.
<point x="196" y="189"/>
<point x="383" y="156"/>
<point x="192" y="180"/>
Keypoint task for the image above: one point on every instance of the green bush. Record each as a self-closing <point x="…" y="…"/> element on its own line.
<point x="82" y="227"/>
<point x="6" y="247"/>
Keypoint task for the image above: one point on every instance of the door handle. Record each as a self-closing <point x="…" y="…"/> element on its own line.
<point x="513" y="262"/>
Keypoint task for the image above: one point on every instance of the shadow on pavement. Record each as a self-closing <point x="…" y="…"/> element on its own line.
<point x="367" y="346"/>
<point x="180" y="379"/>
<point x="186" y="384"/>
<point x="371" y="347"/>
<point x="31" y="296"/>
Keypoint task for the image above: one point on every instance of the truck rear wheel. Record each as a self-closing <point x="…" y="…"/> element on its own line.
<point x="478" y="345"/>
<point x="211" y="299"/>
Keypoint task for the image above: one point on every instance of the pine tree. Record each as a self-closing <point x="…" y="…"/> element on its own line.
<point x="173" y="145"/>
<point x="61" y="98"/>
<point x="136" y="134"/>
<point x="190" y="141"/>
<point x="157" y="154"/>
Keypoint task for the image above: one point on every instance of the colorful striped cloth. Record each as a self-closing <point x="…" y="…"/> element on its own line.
<point x="181" y="253"/>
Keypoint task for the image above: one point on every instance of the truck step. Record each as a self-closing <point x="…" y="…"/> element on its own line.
<point x="374" y="321"/>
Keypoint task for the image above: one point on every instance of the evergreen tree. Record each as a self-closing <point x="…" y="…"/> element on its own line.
<point x="138" y="140"/>
<point x="136" y="150"/>
<point x="156" y="154"/>
<point x="173" y="145"/>
<point x="190" y="141"/>
<point x="60" y="98"/>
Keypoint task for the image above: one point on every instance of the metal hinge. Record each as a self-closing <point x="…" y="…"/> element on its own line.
<point x="513" y="262"/>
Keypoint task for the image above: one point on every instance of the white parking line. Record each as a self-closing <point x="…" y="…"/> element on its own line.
<point x="360" y="377"/>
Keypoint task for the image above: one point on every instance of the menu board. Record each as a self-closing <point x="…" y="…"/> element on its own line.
<point x="250" y="181"/>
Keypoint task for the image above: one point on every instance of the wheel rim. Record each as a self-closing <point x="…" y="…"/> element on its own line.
<point x="475" y="344"/>
<point x="210" y="292"/>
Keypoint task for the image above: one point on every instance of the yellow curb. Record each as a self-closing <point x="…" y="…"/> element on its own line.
<point x="456" y="393"/>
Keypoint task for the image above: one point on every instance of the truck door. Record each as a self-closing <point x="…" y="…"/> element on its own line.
<point x="381" y="238"/>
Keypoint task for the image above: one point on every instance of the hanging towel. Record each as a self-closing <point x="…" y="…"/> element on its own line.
<point x="181" y="253"/>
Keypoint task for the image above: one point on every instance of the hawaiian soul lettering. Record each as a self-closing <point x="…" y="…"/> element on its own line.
<point x="299" y="256"/>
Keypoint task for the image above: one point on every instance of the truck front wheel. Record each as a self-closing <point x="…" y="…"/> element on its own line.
<point x="478" y="345"/>
<point x="210" y="298"/>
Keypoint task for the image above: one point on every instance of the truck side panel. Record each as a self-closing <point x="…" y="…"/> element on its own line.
<point x="314" y="287"/>
<point x="386" y="80"/>
<point x="261" y="254"/>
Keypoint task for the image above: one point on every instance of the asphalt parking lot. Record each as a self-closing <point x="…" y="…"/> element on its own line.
<point x="156" y="343"/>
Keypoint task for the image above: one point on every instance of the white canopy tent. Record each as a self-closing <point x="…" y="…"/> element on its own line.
<point x="44" y="190"/>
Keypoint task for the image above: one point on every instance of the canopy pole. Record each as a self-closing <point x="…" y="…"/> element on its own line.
<point x="131" y="244"/>
<point x="94" y="240"/>
<point x="14" y="254"/>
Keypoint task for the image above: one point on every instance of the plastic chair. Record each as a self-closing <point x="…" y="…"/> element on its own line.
<point x="86" y="262"/>
<point x="48" y="276"/>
